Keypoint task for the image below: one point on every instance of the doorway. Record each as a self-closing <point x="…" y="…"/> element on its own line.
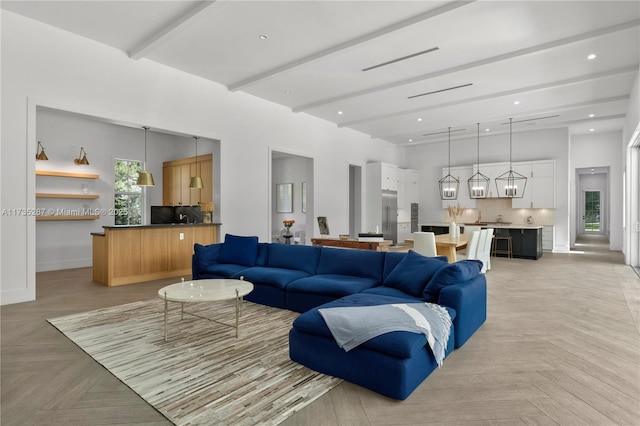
<point x="291" y="197"/>
<point x="591" y="219"/>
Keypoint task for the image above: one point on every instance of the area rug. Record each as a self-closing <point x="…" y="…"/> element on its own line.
<point x="203" y="375"/>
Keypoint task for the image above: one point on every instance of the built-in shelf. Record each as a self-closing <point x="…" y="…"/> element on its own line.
<point x="67" y="174"/>
<point x="71" y="217"/>
<point x="84" y="196"/>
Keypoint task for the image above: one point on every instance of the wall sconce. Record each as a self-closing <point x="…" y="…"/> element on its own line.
<point x="82" y="158"/>
<point x="40" y="155"/>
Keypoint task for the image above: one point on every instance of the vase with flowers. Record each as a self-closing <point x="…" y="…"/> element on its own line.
<point x="288" y="223"/>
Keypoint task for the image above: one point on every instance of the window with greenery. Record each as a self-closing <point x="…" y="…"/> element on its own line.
<point x="128" y="196"/>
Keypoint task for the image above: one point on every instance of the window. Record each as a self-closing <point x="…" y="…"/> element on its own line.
<point x="128" y="196"/>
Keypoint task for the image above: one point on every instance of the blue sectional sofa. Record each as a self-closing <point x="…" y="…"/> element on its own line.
<point x="305" y="279"/>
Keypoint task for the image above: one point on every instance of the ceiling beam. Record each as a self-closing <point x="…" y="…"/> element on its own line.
<point x="168" y="31"/>
<point x="523" y="114"/>
<point x="475" y="64"/>
<point x="239" y="85"/>
<point x="520" y="90"/>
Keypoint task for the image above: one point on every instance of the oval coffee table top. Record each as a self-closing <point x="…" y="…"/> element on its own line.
<point x="205" y="290"/>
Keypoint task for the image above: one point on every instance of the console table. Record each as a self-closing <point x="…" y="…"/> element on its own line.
<point x="353" y="244"/>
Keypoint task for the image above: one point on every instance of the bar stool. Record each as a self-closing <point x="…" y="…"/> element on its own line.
<point x="502" y="235"/>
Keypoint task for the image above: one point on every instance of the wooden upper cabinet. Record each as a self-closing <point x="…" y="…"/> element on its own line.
<point x="176" y="177"/>
<point x="206" y="172"/>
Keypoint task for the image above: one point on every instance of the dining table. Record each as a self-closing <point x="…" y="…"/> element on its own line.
<point x="447" y="246"/>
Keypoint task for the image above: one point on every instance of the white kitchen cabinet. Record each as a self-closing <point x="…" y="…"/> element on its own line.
<point x="540" y="190"/>
<point x="547" y="237"/>
<point x="404" y="231"/>
<point x="411" y="186"/>
<point x="400" y="175"/>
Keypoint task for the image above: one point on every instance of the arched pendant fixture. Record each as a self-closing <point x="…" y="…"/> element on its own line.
<point x="511" y="184"/>
<point x="478" y="183"/>
<point x="145" y="178"/>
<point x="196" y="181"/>
<point x="449" y="185"/>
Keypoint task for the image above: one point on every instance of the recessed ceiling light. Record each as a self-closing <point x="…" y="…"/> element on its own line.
<point x="486" y="130"/>
<point x="288" y="92"/>
<point x="339" y="112"/>
<point x="419" y="119"/>
<point x="592" y="130"/>
<point x="263" y="37"/>
<point x="516" y="103"/>
<point x="591" y="115"/>
<point x="410" y="140"/>
<point x="592" y="56"/>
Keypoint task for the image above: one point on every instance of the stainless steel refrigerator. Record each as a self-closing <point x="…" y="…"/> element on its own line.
<point x="390" y="215"/>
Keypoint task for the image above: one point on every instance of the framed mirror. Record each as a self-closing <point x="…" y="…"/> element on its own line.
<point x="284" y="198"/>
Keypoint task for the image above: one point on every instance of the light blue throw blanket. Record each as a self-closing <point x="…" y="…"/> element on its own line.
<point x="352" y="326"/>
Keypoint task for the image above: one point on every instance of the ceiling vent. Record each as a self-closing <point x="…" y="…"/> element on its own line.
<point x="534" y="119"/>
<point x="393" y="61"/>
<point x="441" y="90"/>
<point x="446" y="131"/>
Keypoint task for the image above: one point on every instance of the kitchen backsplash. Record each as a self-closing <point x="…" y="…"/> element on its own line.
<point x="490" y="209"/>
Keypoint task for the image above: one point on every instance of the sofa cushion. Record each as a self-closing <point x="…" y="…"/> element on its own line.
<point x="392" y="258"/>
<point x="239" y="250"/>
<point x="301" y="258"/>
<point x="272" y="277"/>
<point x="331" y="284"/>
<point x="390" y="291"/>
<point x="226" y="270"/>
<point x="412" y="273"/>
<point x="206" y="255"/>
<point x="453" y="273"/>
<point x="263" y="254"/>
<point x="359" y="263"/>
<point x="400" y="344"/>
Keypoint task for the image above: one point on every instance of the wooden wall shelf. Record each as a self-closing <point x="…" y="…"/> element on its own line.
<point x="83" y="196"/>
<point x="67" y="174"/>
<point x="72" y="217"/>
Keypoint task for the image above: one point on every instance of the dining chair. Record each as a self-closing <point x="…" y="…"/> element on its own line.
<point x="472" y="247"/>
<point x="484" y="249"/>
<point x="424" y="243"/>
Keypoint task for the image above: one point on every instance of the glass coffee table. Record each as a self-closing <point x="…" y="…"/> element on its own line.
<point x="197" y="291"/>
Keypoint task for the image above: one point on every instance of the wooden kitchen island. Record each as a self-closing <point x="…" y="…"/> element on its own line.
<point x="132" y="254"/>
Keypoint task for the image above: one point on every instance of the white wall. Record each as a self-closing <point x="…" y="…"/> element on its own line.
<point x="532" y="145"/>
<point x="45" y="65"/>
<point x="631" y="237"/>
<point x="600" y="150"/>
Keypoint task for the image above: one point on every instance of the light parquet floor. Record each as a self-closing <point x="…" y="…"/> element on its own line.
<point x="561" y="346"/>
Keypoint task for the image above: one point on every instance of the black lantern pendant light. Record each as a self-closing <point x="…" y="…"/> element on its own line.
<point x="145" y="178"/>
<point x="478" y="183"/>
<point x="196" y="181"/>
<point x="511" y="184"/>
<point x="449" y="185"/>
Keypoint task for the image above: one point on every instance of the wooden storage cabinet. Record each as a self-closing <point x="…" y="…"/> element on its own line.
<point x="176" y="177"/>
